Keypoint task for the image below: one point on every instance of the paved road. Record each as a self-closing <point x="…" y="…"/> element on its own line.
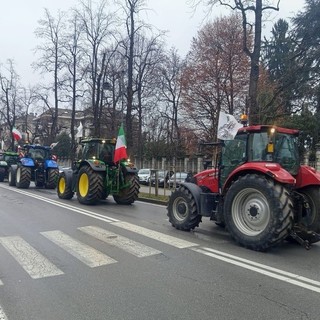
<point x="62" y="260"/>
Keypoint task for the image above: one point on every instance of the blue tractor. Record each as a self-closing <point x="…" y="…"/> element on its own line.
<point x="36" y="164"/>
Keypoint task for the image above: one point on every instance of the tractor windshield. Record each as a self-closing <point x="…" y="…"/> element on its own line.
<point x="38" y="154"/>
<point x="286" y="152"/>
<point x="98" y="150"/>
<point x="275" y="146"/>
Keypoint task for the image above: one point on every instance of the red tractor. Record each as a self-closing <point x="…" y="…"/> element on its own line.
<point x="258" y="190"/>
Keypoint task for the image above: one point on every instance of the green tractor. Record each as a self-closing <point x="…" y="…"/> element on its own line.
<point x="7" y="158"/>
<point x="95" y="176"/>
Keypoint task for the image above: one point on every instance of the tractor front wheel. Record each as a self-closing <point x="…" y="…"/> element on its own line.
<point x="12" y="176"/>
<point x="23" y="177"/>
<point x="89" y="186"/>
<point x="63" y="188"/>
<point x="258" y="212"/>
<point x="130" y="194"/>
<point x="182" y="210"/>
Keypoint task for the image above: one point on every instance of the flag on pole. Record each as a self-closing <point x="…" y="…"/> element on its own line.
<point x="16" y="134"/>
<point x="228" y="126"/>
<point x="120" y="151"/>
<point x="79" y="131"/>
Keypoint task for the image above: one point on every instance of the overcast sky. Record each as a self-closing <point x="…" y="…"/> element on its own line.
<point x="19" y="19"/>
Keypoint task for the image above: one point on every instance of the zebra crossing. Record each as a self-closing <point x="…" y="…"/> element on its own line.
<point x="38" y="266"/>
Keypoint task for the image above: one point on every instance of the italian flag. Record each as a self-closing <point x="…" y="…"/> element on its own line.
<point x="121" y="146"/>
<point x="16" y="134"/>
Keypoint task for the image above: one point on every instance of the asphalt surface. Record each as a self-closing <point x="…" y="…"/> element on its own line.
<point x="62" y="260"/>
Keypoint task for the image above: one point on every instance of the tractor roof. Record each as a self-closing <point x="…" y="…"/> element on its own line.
<point x="36" y="146"/>
<point x="99" y="140"/>
<point x="259" y="128"/>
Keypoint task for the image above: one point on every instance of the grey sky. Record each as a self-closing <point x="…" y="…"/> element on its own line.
<point x="19" y="19"/>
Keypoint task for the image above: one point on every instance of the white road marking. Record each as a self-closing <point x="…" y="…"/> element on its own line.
<point x="2" y="314"/>
<point x="288" y="277"/>
<point x="63" y="205"/>
<point x="1" y="284"/>
<point x="88" y="255"/>
<point x="173" y="241"/>
<point x="32" y="261"/>
<point x="268" y="271"/>
<point x="133" y="247"/>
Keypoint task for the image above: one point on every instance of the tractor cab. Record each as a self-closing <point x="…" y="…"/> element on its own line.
<point x="260" y="144"/>
<point x="98" y="149"/>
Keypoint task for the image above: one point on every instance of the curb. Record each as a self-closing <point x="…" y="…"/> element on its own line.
<point x="163" y="203"/>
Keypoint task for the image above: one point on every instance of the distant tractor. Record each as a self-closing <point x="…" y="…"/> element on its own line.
<point x="7" y="158"/>
<point x="94" y="176"/>
<point x="258" y="190"/>
<point x="36" y="164"/>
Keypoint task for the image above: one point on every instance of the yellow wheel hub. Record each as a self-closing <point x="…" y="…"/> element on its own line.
<point x="83" y="185"/>
<point x="62" y="185"/>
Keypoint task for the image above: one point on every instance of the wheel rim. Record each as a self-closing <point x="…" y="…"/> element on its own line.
<point x="62" y="185"/>
<point x="180" y="209"/>
<point x="18" y="175"/>
<point x="251" y="212"/>
<point x="83" y="185"/>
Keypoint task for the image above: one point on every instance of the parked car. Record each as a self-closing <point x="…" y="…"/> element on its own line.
<point x="177" y="178"/>
<point x="144" y="176"/>
<point x="163" y="178"/>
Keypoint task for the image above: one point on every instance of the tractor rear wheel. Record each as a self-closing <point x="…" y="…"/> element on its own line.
<point x="182" y="210"/>
<point x="23" y="177"/>
<point x="12" y="176"/>
<point x="52" y="178"/>
<point x="63" y="189"/>
<point x="89" y="186"/>
<point x="311" y="212"/>
<point x="130" y="194"/>
<point x="258" y="212"/>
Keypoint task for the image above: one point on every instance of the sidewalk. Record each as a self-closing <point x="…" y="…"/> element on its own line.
<point x="152" y="190"/>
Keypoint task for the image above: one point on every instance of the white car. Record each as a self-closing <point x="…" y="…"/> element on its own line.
<point x="144" y="176"/>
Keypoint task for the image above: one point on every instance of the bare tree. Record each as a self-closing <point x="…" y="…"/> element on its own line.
<point x="246" y="8"/>
<point x="171" y="73"/>
<point x="96" y="24"/>
<point x="75" y="69"/>
<point x="131" y="9"/>
<point x="10" y="107"/>
<point x="215" y="75"/>
<point x="50" y="62"/>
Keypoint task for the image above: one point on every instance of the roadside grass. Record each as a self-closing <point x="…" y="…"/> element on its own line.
<point x="153" y="196"/>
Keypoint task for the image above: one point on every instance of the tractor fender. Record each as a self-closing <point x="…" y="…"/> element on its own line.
<point x="27" y="162"/>
<point x="269" y="169"/>
<point x="128" y="169"/>
<point x="50" y="164"/>
<point x="96" y="165"/>
<point x="307" y="176"/>
<point x="195" y="190"/>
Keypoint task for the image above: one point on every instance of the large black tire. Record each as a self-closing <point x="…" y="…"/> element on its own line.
<point x="311" y="212"/>
<point x="258" y="212"/>
<point x="12" y="176"/>
<point x="89" y="186"/>
<point x="2" y="174"/>
<point x="52" y="178"/>
<point x="182" y="210"/>
<point x="63" y="189"/>
<point x="23" y="177"/>
<point x="128" y="195"/>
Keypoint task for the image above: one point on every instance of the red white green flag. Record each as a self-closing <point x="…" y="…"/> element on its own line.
<point x="120" y="151"/>
<point x="16" y="134"/>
